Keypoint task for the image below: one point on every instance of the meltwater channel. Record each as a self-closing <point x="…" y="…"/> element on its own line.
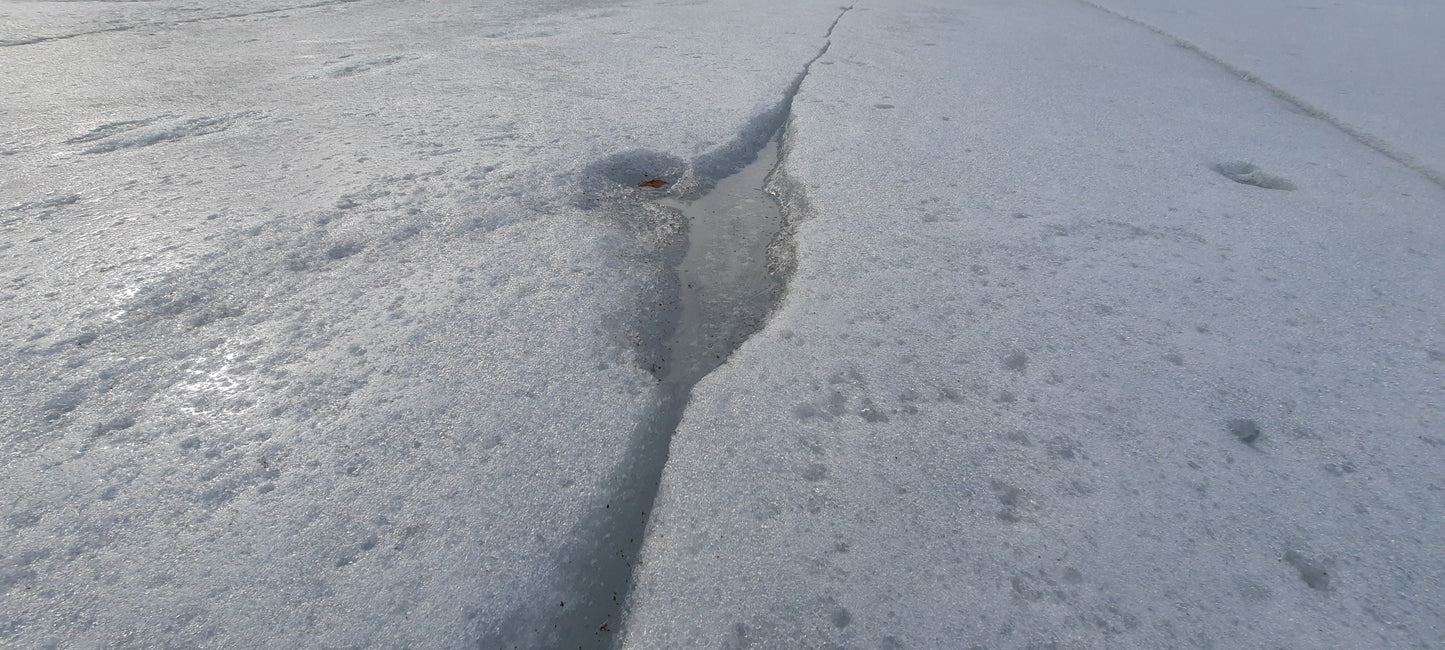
<point x="725" y="292"/>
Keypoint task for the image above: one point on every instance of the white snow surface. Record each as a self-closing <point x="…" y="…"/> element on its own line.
<point x="334" y="324"/>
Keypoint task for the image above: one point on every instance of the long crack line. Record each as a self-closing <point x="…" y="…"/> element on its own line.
<point x="1369" y="140"/>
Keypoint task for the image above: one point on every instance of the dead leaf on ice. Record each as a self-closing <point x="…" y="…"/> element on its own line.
<point x="656" y="182"/>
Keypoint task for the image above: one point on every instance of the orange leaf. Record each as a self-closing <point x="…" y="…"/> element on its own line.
<point x="656" y="182"/>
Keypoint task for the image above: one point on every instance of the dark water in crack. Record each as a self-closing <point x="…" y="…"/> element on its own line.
<point x="725" y="294"/>
<point x="726" y="290"/>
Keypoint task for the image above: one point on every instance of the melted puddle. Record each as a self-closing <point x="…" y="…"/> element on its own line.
<point x="725" y="288"/>
<point x="725" y="294"/>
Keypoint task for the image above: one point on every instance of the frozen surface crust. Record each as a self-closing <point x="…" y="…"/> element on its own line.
<point x="1057" y="369"/>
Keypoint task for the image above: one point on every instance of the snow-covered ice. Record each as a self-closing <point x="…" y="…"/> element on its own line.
<point x="347" y="323"/>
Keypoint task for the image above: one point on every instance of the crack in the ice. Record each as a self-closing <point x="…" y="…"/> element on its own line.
<point x="597" y="572"/>
<point x="1374" y="142"/>
<point x="171" y="23"/>
<point x="829" y="34"/>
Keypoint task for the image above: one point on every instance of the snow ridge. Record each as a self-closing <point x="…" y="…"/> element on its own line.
<point x="1359" y="135"/>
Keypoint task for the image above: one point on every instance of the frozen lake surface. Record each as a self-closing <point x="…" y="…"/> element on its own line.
<point x="364" y="323"/>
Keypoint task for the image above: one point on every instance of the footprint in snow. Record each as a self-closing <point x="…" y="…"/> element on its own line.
<point x="1248" y="174"/>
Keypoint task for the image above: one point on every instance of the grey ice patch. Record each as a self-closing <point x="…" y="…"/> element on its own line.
<point x="1063" y="448"/>
<point x="1252" y="591"/>
<point x="1248" y="174"/>
<point x="342" y="251"/>
<point x="356" y="67"/>
<point x="625" y="171"/>
<point x="18" y="520"/>
<point x="1246" y="430"/>
<point x="118" y="423"/>
<point x="1017" y="361"/>
<point x="1010" y="497"/>
<point x="737" y="638"/>
<point x="49" y="203"/>
<point x="1311" y="571"/>
<point x="62" y="403"/>
<point x="872" y="413"/>
<point x="80" y="340"/>
<point x="213" y="314"/>
<point x="144" y="134"/>
<point x="815" y="472"/>
<point x="805" y="411"/>
<point x="112" y="128"/>
<point x="59" y="200"/>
